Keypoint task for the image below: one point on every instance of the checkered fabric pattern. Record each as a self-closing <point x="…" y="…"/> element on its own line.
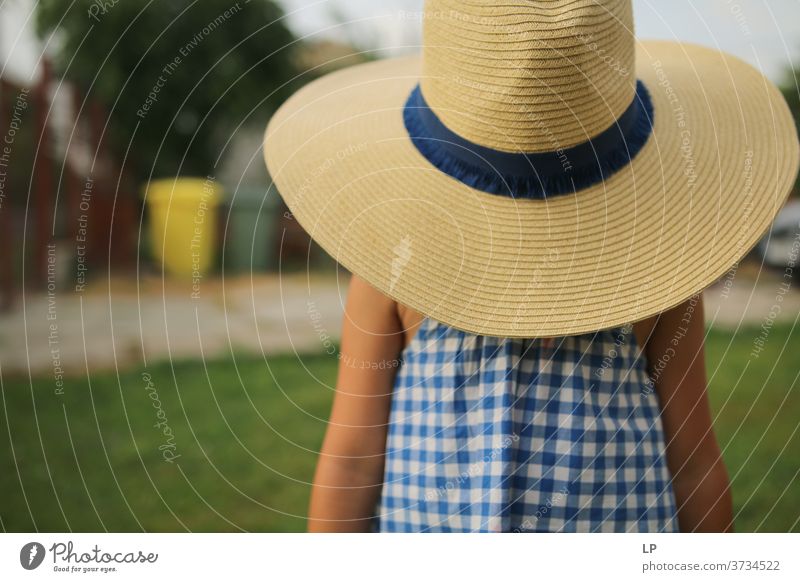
<point x="489" y="434"/>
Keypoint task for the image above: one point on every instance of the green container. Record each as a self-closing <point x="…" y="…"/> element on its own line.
<point x="250" y="233"/>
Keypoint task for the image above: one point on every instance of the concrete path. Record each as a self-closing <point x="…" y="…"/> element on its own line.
<point x="112" y="325"/>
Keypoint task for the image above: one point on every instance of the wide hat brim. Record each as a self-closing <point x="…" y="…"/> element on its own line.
<point x="705" y="188"/>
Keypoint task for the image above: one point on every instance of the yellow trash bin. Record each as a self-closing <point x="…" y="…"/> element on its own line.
<point x="183" y="224"/>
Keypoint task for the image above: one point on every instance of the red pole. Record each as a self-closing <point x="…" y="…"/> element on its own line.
<point x="100" y="207"/>
<point x="124" y="218"/>
<point x="74" y="182"/>
<point x="6" y="236"/>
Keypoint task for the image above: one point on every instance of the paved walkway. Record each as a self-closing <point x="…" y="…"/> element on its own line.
<point x="111" y="326"/>
<point x="117" y="327"/>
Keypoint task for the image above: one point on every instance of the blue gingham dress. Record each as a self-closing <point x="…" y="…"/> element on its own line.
<point x="507" y="435"/>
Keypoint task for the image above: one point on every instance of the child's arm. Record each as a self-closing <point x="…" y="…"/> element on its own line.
<point x="350" y="468"/>
<point x="699" y="477"/>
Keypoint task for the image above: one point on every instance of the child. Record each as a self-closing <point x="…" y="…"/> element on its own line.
<point x="539" y="174"/>
<point x="610" y="474"/>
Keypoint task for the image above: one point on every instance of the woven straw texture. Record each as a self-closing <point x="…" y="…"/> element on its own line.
<point x="717" y="168"/>
<point x="554" y="73"/>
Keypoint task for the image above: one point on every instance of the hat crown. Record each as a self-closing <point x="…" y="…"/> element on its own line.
<point x="528" y="75"/>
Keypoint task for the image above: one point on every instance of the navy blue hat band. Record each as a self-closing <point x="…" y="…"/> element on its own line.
<point x="530" y="175"/>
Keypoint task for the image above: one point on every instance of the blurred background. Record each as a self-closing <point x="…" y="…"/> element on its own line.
<point x="168" y="334"/>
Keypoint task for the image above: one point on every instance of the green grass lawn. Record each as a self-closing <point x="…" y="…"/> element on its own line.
<point x="246" y="430"/>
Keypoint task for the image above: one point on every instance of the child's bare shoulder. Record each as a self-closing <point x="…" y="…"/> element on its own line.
<point x="362" y="290"/>
<point x="663" y="327"/>
<point x="368" y="308"/>
<point x="373" y="310"/>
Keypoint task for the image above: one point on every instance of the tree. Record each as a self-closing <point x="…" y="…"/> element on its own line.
<point x="176" y="77"/>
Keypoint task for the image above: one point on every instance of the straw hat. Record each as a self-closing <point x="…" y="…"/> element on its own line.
<point x="537" y="171"/>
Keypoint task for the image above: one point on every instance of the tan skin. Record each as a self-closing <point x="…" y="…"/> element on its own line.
<point x="349" y="473"/>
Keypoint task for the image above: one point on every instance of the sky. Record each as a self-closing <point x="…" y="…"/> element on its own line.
<point x="19" y="47"/>
<point x="764" y="33"/>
